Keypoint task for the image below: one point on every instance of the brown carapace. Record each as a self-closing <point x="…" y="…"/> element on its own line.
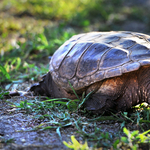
<point x="114" y="65"/>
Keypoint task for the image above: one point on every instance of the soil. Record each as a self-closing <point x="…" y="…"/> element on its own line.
<point x="18" y="125"/>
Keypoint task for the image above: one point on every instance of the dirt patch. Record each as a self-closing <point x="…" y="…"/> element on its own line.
<point x="17" y="129"/>
<point x="18" y="125"/>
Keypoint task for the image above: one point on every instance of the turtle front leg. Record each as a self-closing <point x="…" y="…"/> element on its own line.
<point x="107" y="95"/>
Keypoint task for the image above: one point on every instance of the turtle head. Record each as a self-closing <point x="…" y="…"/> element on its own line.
<point x="43" y="87"/>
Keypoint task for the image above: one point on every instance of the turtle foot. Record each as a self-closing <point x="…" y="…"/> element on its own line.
<point x="17" y="93"/>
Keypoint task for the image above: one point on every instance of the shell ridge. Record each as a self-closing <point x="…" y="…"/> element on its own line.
<point x="77" y="68"/>
<point x="81" y="57"/>
<point x="102" y="58"/>
<point x="69" y="65"/>
<point x="66" y="55"/>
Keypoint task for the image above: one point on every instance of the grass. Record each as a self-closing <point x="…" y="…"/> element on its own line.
<point x="128" y="142"/>
<point x="76" y="145"/>
<point x="56" y="114"/>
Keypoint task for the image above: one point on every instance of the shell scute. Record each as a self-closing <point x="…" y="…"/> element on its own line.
<point x="60" y="54"/>
<point x="115" y="57"/>
<point x="124" y="43"/>
<point x="140" y="52"/>
<point x="108" y="39"/>
<point x="132" y="66"/>
<point x="113" y="72"/>
<point x="89" y="62"/>
<point x="144" y="62"/>
<point x="69" y="64"/>
<point x="90" y="36"/>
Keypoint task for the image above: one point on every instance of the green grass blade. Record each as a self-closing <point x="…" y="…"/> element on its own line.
<point x="84" y="99"/>
<point x="73" y="90"/>
<point x="4" y="72"/>
<point x="58" y="132"/>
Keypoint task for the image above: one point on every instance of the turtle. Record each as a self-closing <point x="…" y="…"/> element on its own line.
<point x="114" y="67"/>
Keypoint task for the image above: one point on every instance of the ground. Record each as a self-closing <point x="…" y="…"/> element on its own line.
<point x="18" y="126"/>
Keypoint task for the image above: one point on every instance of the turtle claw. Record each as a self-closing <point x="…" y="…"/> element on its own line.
<point x="18" y="93"/>
<point x="22" y="93"/>
<point x="13" y="93"/>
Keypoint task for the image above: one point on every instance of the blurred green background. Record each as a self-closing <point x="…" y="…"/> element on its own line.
<point x="31" y="30"/>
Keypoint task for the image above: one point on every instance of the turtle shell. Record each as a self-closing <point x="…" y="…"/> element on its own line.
<point x="88" y="58"/>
